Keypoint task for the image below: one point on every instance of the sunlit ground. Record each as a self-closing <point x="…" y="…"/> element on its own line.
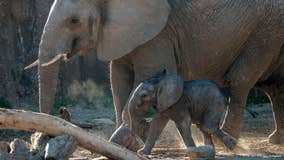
<point x="253" y="143"/>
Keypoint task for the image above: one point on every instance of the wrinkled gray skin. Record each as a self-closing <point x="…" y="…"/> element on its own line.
<point x="199" y="102"/>
<point x="236" y="43"/>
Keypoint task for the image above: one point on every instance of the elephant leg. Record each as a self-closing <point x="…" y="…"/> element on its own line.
<point x="277" y="98"/>
<point x="157" y="125"/>
<point x="234" y="118"/>
<point x="228" y="140"/>
<point x="183" y="124"/>
<point x="277" y="136"/>
<point x="209" y="142"/>
<point x="210" y="123"/>
<point x="255" y="58"/>
<point x="208" y="139"/>
<point x="121" y="77"/>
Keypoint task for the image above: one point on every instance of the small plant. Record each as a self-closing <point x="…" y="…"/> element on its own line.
<point x="4" y="103"/>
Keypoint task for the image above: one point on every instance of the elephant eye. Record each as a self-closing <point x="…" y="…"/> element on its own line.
<point x="74" y="20"/>
<point x="143" y="95"/>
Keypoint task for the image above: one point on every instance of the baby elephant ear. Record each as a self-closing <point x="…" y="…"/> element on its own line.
<point x="169" y="91"/>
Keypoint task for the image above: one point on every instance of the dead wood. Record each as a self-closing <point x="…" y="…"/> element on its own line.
<point x="65" y="114"/>
<point x="30" y="121"/>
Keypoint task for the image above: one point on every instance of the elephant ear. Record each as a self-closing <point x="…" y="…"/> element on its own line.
<point x="129" y="24"/>
<point x="169" y="91"/>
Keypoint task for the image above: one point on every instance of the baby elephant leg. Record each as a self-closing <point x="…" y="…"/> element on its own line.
<point x="228" y="140"/>
<point x="208" y="139"/>
<point x="183" y="124"/>
<point x="211" y="126"/>
<point x="157" y="125"/>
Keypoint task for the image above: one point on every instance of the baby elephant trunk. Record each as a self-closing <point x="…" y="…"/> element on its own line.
<point x="133" y="115"/>
<point x="138" y="124"/>
<point x="124" y="137"/>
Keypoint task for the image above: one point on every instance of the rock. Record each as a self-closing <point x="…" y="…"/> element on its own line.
<point x="39" y="141"/>
<point x="20" y="148"/>
<point x="60" y="148"/>
<point x="8" y="156"/>
<point x="4" y="147"/>
<point x="103" y="121"/>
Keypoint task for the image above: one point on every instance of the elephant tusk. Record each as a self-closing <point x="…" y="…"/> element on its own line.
<point x="54" y="60"/>
<point x="34" y="64"/>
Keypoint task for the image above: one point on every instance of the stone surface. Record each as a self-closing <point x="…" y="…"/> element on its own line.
<point x="61" y="147"/>
<point x="39" y="141"/>
<point x="102" y="121"/>
<point x="20" y="148"/>
<point x="4" y="147"/>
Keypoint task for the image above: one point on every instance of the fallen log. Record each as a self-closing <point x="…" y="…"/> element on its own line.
<point x="53" y="126"/>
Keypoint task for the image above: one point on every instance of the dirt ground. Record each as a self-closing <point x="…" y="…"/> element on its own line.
<point x="252" y="145"/>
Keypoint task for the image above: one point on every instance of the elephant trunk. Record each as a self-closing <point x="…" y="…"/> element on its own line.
<point x="54" y="46"/>
<point x="137" y="122"/>
<point x="49" y="47"/>
<point x="48" y="77"/>
<point x="133" y="113"/>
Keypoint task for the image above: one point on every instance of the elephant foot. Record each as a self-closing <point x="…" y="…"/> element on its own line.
<point x="124" y="137"/>
<point x="229" y="142"/>
<point x="202" y="152"/>
<point x="144" y="151"/>
<point x="276" y="137"/>
<point x="233" y="121"/>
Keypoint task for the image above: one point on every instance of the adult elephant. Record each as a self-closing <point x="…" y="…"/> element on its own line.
<point x="236" y="43"/>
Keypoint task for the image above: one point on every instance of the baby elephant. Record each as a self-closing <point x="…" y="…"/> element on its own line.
<point x="199" y="101"/>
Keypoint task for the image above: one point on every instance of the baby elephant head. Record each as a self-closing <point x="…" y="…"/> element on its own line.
<point x="159" y="91"/>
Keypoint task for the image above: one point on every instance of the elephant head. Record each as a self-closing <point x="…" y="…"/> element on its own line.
<point x="160" y="91"/>
<point x="112" y="28"/>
